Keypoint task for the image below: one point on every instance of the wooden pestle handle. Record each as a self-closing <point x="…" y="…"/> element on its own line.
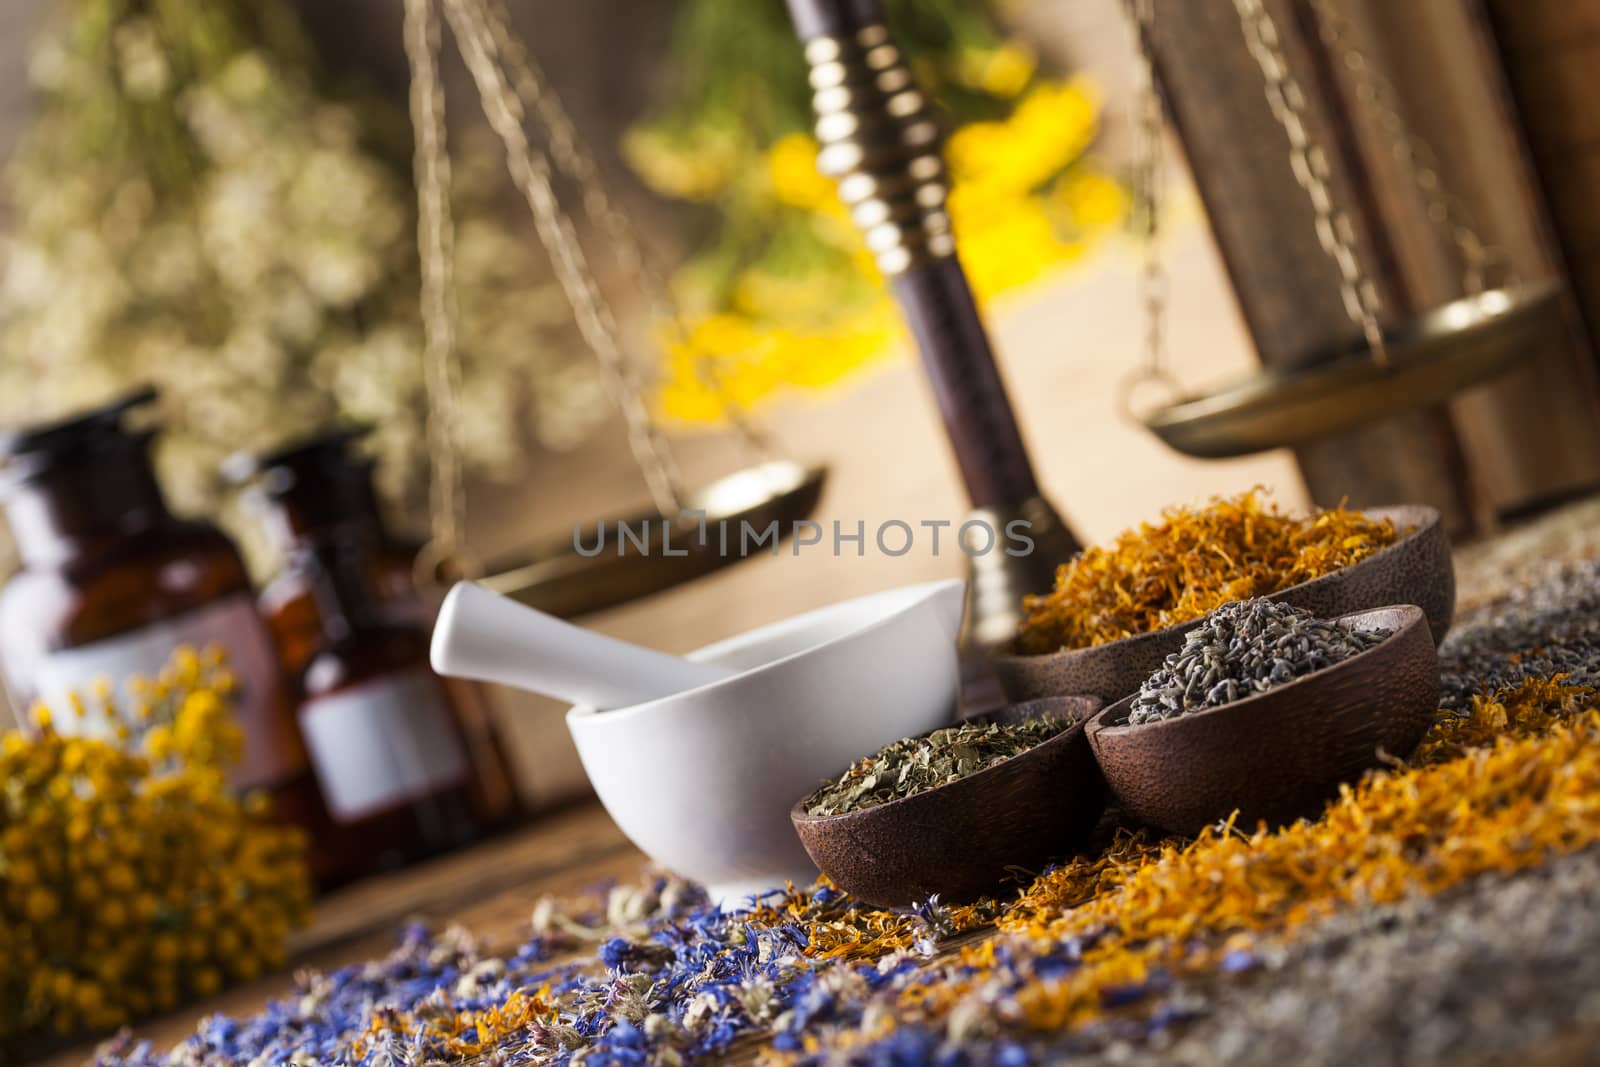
<point x="888" y="162"/>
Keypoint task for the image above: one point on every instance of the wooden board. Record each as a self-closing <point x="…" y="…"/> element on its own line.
<point x="1550" y="48"/>
<point x="1264" y="227"/>
<point x="1450" y="91"/>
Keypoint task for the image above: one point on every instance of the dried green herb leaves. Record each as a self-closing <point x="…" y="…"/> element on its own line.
<point x="916" y="764"/>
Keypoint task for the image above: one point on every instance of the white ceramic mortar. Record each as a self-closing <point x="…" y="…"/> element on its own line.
<point x="702" y="780"/>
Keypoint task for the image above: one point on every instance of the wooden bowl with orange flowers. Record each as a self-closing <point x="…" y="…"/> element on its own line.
<point x="1414" y="567"/>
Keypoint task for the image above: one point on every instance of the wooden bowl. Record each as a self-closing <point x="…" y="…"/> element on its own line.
<point x="959" y="839"/>
<point x="1416" y="569"/>
<point x="1279" y="754"/>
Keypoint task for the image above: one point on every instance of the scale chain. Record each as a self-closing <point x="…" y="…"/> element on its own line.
<point x="1445" y="209"/>
<point x="1310" y="166"/>
<point x="1147" y="167"/>
<point x="575" y="162"/>
<point x="532" y="173"/>
<point x="436" y="252"/>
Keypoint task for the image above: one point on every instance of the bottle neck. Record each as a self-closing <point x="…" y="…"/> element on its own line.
<point x="84" y="506"/>
<point x="310" y="512"/>
<point x="340" y="571"/>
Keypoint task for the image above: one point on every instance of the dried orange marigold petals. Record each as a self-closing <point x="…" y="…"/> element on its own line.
<point x="1190" y="563"/>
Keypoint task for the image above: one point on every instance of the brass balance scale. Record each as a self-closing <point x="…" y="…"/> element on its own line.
<point x="664" y="547"/>
<point x="881" y="143"/>
<point x="1397" y="368"/>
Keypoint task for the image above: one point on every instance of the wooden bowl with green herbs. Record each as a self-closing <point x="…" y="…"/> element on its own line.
<point x="1416" y="568"/>
<point x="959" y="839"/>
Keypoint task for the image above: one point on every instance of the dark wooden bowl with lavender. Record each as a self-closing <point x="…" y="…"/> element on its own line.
<point x="1278" y="753"/>
<point x="1415" y="569"/>
<point x="960" y="838"/>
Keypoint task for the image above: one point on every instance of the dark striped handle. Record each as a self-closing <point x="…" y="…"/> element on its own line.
<point x="885" y="153"/>
<point x="938" y="306"/>
<point x="833" y="18"/>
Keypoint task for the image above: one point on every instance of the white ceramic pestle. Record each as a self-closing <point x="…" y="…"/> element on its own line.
<point x="700" y="759"/>
<point x="485" y="636"/>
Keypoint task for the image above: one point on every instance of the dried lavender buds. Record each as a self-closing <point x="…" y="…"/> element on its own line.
<point x="1549" y="628"/>
<point x="1244" y="648"/>
<point x="917" y="764"/>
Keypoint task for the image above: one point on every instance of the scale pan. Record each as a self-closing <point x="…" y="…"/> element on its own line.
<point x="1431" y="357"/>
<point x="561" y="581"/>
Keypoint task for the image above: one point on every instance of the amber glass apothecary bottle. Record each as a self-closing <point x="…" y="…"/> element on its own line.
<point x="311" y="491"/>
<point x="318" y="495"/>
<point x="389" y="752"/>
<point x="112" y="583"/>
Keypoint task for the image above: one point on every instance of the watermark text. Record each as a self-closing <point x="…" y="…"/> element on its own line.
<point x="692" y="532"/>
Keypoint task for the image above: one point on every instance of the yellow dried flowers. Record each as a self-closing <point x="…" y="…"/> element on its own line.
<point x="1511" y="784"/>
<point x="130" y="877"/>
<point x="1191" y="562"/>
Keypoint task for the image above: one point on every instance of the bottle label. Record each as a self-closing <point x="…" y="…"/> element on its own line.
<point x="382" y="744"/>
<point x="270" y="752"/>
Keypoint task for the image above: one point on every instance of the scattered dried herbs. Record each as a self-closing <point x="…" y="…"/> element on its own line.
<point x="916" y="764"/>
<point x="1547" y="629"/>
<point x="1189" y="564"/>
<point x="1245" y="648"/>
<point x="1095" y="961"/>
<point x="1487" y="974"/>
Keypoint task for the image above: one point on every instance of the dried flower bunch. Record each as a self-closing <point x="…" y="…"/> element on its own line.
<point x="782" y="292"/>
<point x="194" y="207"/>
<point x="1190" y="563"/>
<point x="916" y="764"/>
<point x="1244" y="648"/>
<point x="131" y="879"/>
